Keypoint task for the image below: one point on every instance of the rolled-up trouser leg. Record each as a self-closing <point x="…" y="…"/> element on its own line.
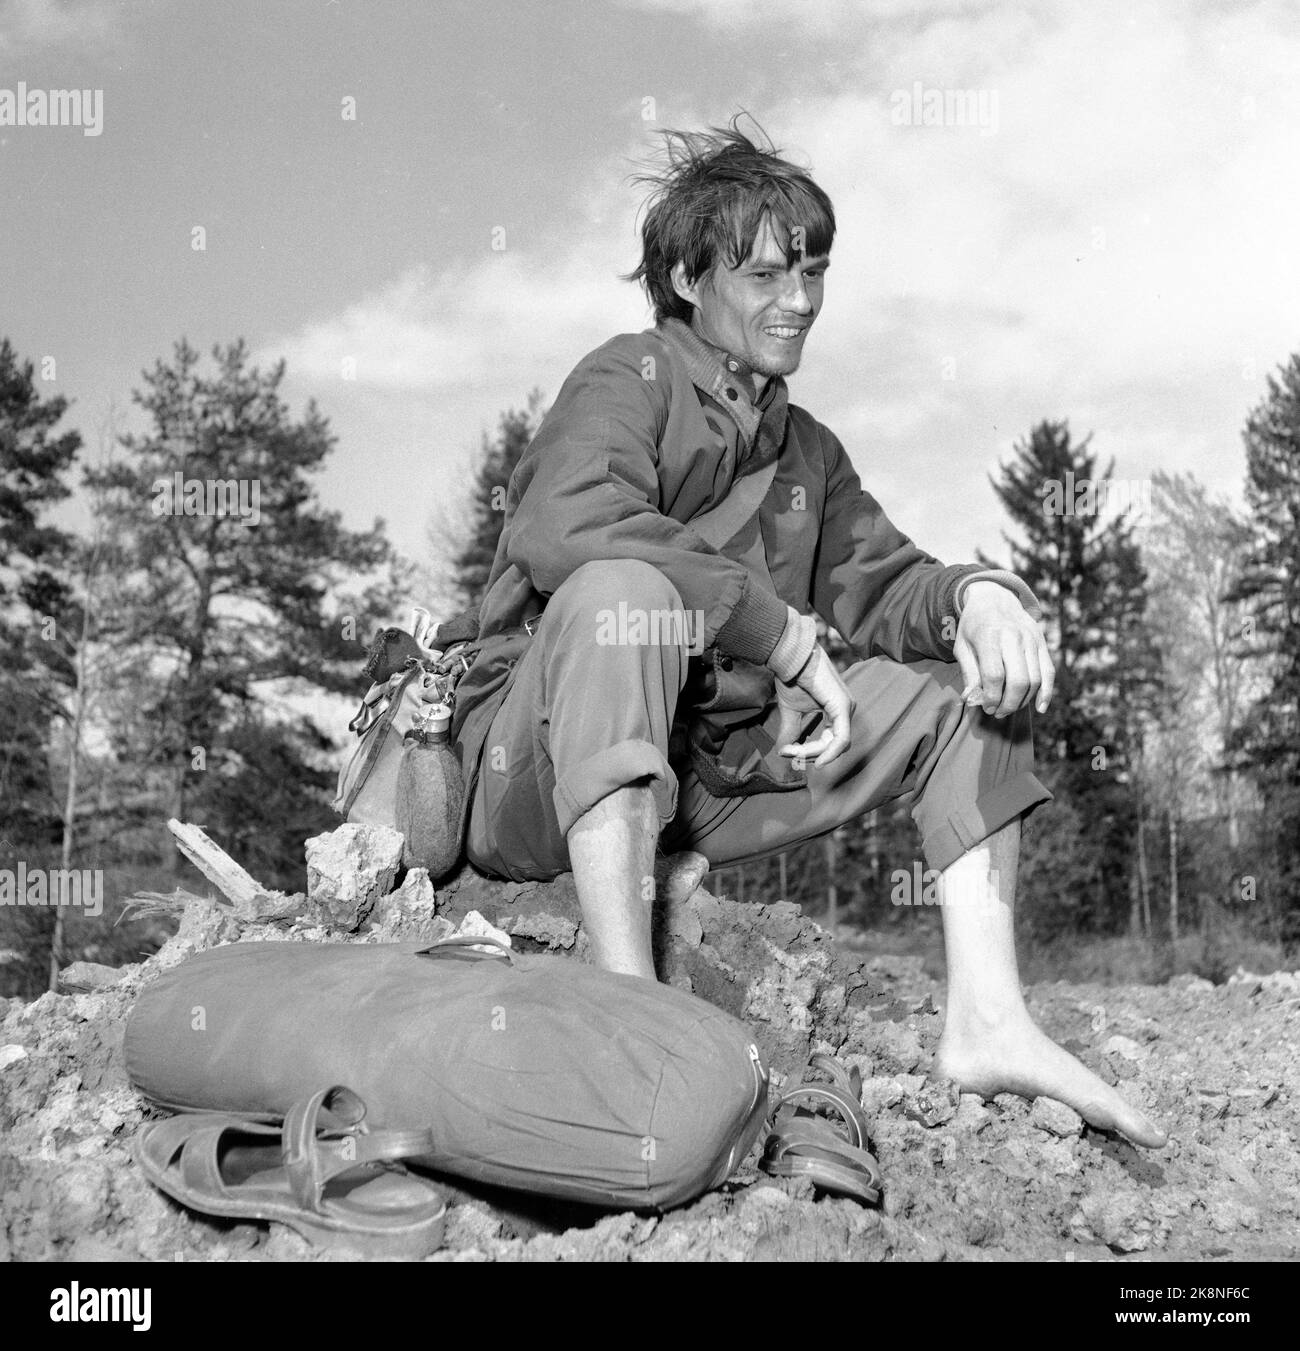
<point x="965" y="774"/>
<point x="589" y="712"/>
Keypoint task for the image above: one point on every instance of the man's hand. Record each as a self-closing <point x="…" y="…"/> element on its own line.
<point x="821" y="682"/>
<point x="1002" y="652"/>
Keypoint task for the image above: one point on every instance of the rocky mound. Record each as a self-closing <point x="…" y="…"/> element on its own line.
<point x="964" y="1179"/>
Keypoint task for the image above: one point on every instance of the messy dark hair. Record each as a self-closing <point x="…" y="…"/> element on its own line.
<point x="708" y="203"/>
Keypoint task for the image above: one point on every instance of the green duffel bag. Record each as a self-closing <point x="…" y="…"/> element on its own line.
<point x="533" y="1072"/>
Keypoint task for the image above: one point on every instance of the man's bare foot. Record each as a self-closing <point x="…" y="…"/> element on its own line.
<point x="1011" y="1055"/>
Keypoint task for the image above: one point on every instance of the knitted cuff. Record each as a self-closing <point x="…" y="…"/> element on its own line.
<point x="795" y="645"/>
<point x="754" y="625"/>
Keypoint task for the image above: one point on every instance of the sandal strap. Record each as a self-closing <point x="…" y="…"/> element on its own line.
<point x="849" y="1078"/>
<point x="816" y="1137"/>
<point x="200" y="1161"/>
<point x="814" y="1140"/>
<point x="313" y="1155"/>
<point x="849" y="1177"/>
<point x="849" y="1109"/>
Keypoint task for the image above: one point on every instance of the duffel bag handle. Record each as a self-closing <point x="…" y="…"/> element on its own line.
<point x="456" y="947"/>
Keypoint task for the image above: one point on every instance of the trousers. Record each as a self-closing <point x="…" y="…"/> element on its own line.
<point x="588" y="714"/>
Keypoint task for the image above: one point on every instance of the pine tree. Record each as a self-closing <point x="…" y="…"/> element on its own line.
<point x="34" y="595"/>
<point x="1086" y="571"/>
<point x="1269" y="739"/>
<point x="230" y="593"/>
<point x="472" y="560"/>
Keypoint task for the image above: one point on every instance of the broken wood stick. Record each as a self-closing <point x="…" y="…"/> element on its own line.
<point x="250" y="899"/>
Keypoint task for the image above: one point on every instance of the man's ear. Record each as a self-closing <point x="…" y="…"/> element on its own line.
<point x="687" y="289"/>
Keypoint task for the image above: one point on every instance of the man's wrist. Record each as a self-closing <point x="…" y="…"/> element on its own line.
<point x="1008" y="581"/>
<point x="794" y="647"/>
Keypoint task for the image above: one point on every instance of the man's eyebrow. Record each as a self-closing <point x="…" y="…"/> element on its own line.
<point x="777" y="263"/>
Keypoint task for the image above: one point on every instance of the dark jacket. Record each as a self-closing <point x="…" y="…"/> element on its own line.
<point x="649" y="431"/>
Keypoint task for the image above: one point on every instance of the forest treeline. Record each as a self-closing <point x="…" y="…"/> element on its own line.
<point x="173" y="658"/>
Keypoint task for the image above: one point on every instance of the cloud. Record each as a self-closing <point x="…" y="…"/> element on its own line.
<point x="824" y="16"/>
<point x="29" y="27"/>
<point x="1118" y="251"/>
<point x="497" y="321"/>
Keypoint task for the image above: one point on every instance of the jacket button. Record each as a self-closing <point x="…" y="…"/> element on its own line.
<point x="725" y="663"/>
<point x="731" y="394"/>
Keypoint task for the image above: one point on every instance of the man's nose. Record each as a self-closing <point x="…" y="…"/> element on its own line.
<point x="795" y="300"/>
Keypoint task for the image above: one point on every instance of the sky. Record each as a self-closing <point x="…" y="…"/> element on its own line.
<point x="1109" y="239"/>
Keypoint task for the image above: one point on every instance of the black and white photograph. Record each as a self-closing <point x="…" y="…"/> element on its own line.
<point x="649" y="631"/>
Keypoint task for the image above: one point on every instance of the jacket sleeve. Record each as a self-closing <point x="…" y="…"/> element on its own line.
<point x="587" y="489"/>
<point x="884" y="595"/>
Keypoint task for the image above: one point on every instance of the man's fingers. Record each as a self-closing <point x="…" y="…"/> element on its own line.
<point x="829" y="743"/>
<point x="991" y="673"/>
<point x="1048" y="668"/>
<point x="806" y="750"/>
<point x="1017" y="679"/>
<point x="840" y="726"/>
<point x="966" y="664"/>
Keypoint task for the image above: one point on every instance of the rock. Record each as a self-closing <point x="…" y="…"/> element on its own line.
<point x="1055" y="1118"/>
<point x="1211" y="1106"/>
<point x="1115" y="1219"/>
<point x="472" y="1226"/>
<point x="205" y="923"/>
<point x="1123" y="1046"/>
<point x="552" y="931"/>
<point x="1190" y="983"/>
<point x="11" y="1055"/>
<point x="934" y="1105"/>
<point x="1059" y="1157"/>
<point x="682" y="922"/>
<point x="1281" y="983"/>
<point x="879" y="1094"/>
<point x="765" y="1197"/>
<point x="1012" y="1159"/>
<point x="409" y="914"/>
<point x="895" y="1048"/>
<point x="972" y="1114"/>
<point x="81" y="1199"/>
<point x="82" y="977"/>
<point x="349" y="869"/>
<point x="475" y="926"/>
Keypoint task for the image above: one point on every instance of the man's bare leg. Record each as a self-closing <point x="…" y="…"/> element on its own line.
<point x="990" y="1044"/>
<point x="612" y="853"/>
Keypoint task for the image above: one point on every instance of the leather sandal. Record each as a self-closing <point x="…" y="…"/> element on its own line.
<point x="323" y="1172"/>
<point x="803" y="1143"/>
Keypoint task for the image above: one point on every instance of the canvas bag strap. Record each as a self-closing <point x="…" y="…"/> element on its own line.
<point x="377" y="733"/>
<point x="750" y="486"/>
<point x="720" y="524"/>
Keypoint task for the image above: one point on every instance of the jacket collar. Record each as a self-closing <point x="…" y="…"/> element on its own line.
<point x="726" y="380"/>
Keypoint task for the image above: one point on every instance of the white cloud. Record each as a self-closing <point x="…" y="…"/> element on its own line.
<point x="1119" y="251"/>
<point x="821" y="15"/>
<point x="31" y="26"/>
<point x="496" y="321"/>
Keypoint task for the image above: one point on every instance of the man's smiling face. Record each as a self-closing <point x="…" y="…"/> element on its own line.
<point x="762" y="310"/>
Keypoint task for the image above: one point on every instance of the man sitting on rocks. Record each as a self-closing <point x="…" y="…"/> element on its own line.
<point x="649" y="661"/>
